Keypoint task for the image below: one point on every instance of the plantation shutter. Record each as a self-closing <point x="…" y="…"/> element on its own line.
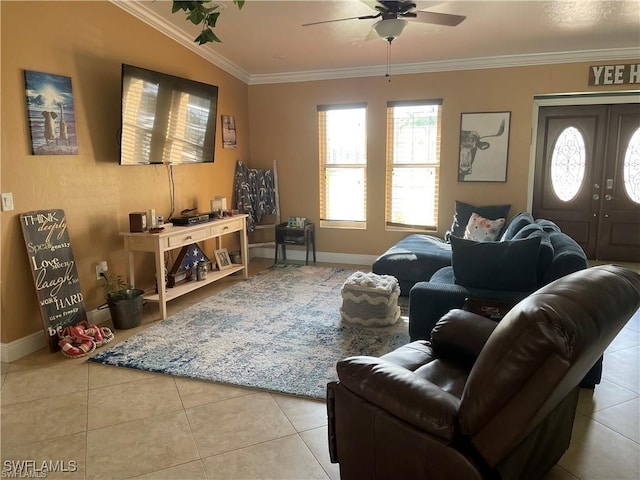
<point x="343" y="165"/>
<point x="412" y="164"/>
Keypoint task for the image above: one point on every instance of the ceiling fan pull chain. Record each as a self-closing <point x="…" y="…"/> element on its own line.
<point x="388" y="75"/>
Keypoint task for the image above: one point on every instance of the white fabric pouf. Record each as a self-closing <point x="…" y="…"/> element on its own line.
<point x="370" y="299"/>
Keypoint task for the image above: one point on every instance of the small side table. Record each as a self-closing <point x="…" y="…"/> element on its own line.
<point x="286" y="235"/>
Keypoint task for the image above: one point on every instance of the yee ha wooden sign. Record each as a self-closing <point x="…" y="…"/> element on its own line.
<point x="625" y="74"/>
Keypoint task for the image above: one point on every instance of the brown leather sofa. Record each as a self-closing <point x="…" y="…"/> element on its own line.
<point x="480" y="399"/>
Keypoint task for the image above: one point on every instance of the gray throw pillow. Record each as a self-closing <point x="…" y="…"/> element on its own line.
<point x="509" y="265"/>
<point x="545" y="257"/>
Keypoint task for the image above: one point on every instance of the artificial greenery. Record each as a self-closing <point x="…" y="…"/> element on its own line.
<point x="114" y="284"/>
<point x="200" y="14"/>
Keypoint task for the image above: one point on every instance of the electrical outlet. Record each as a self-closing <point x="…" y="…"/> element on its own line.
<point x="101" y="268"/>
<point x="7" y="202"/>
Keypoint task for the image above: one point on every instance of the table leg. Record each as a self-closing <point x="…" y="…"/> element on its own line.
<point x="132" y="277"/>
<point x="162" y="288"/>
<point x="244" y="249"/>
<point x="313" y="243"/>
<point x="307" y="238"/>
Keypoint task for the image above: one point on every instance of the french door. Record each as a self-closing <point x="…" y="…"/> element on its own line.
<point x="587" y="176"/>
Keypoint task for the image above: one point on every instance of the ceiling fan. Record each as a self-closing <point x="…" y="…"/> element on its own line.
<point x="393" y="17"/>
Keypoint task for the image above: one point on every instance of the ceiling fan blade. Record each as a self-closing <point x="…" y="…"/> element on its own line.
<point x="365" y="17"/>
<point x="371" y="3"/>
<point x="446" y="19"/>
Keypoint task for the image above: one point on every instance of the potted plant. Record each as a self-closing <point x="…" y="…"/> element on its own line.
<point x="124" y="301"/>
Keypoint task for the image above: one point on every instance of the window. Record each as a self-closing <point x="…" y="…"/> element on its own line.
<point x="413" y="165"/>
<point x="631" y="168"/>
<point x="568" y="164"/>
<point x="343" y="165"/>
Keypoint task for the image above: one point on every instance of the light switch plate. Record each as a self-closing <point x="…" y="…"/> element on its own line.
<point x="7" y="202"/>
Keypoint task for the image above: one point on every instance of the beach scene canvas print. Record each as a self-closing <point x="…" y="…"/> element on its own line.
<point x="51" y="114"/>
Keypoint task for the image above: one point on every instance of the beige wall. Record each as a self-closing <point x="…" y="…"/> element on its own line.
<point x="88" y="41"/>
<point x="283" y="122"/>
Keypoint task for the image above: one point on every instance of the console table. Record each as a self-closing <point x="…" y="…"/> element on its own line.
<point x="173" y="237"/>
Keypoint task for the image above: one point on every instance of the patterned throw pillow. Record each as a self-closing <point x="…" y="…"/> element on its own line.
<point x="463" y="212"/>
<point x="482" y="229"/>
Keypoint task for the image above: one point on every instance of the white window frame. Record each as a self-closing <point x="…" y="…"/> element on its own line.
<point x="353" y="194"/>
<point x="429" y="164"/>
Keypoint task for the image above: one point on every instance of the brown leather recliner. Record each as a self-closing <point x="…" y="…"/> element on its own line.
<point x="481" y="399"/>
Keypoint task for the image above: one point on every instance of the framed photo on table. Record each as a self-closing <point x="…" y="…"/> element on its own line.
<point x="484" y="147"/>
<point x="223" y="261"/>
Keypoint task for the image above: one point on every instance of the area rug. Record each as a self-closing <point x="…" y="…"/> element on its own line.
<point x="280" y="330"/>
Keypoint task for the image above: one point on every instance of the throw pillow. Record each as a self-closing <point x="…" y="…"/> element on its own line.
<point x="482" y="229"/>
<point x="463" y="214"/>
<point x="509" y="265"/>
<point x="545" y="257"/>
<point x="515" y="224"/>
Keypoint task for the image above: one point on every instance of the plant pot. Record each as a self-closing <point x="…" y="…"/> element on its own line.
<point x="125" y="307"/>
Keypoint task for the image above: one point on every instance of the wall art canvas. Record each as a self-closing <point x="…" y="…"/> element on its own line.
<point x="51" y="114"/>
<point x="229" y="131"/>
<point x="484" y="147"/>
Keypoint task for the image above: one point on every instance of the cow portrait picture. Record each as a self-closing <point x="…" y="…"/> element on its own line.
<point x="484" y="147"/>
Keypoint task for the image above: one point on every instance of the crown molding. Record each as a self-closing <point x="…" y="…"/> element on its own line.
<point x="452" y="65"/>
<point x="155" y="21"/>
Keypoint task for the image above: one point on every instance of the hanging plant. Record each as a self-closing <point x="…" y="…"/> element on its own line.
<point x="200" y="14"/>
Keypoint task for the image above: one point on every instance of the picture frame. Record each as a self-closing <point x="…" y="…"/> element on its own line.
<point x="51" y="112"/>
<point x="484" y="146"/>
<point x="223" y="260"/>
<point x="228" y="131"/>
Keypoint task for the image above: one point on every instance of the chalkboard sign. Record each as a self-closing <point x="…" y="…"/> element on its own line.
<point x="54" y="271"/>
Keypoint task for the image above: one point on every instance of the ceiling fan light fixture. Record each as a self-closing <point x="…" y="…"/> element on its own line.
<point x="390" y="28"/>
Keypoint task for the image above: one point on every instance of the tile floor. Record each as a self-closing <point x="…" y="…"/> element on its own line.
<point x="110" y="423"/>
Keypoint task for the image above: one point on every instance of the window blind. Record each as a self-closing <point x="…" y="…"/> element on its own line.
<point x="412" y="164"/>
<point x="343" y="165"/>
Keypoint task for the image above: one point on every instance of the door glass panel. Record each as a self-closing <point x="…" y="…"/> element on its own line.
<point x="631" y="168"/>
<point x="568" y="164"/>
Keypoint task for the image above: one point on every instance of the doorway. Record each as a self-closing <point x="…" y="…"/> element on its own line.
<point x="587" y="176"/>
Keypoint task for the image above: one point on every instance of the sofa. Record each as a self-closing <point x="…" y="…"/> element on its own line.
<point x="416" y="257"/>
<point x="529" y="254"/>
<point x="488" y="259"/>
<point x="479" y="399"/>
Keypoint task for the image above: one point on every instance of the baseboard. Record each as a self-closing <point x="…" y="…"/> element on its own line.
<point x="12" y="351"/>
<point x="326" y="257"/>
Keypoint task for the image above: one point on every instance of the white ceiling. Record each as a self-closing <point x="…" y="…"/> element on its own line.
<point x="265" y="42"/>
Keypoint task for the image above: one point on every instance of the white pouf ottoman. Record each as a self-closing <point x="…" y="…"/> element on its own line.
<point x="370" y="299"/>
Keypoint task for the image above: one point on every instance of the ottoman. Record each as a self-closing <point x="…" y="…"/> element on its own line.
<point x="371" y="300"/>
